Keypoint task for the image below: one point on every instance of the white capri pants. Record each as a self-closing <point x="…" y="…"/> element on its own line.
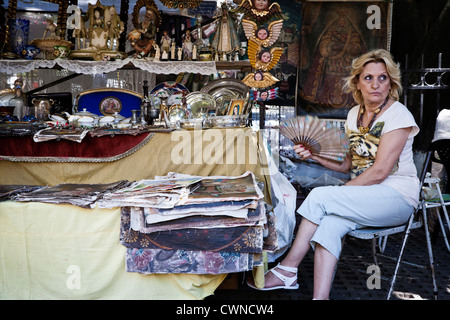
<point x="338" y="210"/>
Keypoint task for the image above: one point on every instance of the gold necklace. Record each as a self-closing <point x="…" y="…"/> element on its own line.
<point x="359" y="123"/>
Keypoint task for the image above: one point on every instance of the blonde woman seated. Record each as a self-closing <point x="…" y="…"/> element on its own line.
<point x="384" y="189"/>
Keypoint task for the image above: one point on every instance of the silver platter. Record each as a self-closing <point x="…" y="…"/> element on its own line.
<point x="238" y="121"/>
<point x="227" y="89"/>
<point x="200" y="102"/>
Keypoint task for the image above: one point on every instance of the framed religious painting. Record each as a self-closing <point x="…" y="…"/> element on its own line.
<point x="236" y="107"/>
<point x="333" y="34"/>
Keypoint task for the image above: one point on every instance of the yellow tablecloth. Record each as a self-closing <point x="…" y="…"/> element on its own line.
<point x="229" y="152"/>
<point x="65" y="252"/>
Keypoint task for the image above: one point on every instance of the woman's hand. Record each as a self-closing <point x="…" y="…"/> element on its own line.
<point x="302" y="152"/>
<point x="305" y="154"/>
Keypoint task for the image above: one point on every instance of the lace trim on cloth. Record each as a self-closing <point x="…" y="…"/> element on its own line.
<point x="80" y="159"/>
<point x="22" y="66"/>
<point x="167" y="67"/>
<point x="99" y="67"/>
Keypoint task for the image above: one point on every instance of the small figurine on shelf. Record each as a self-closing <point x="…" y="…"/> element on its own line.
<point x="166" y="41"/>
<point x="194" y="52"/>
<point x="172" y="51"/>
<point x="116" y="27"/>
<point x="157" y="52"/>
<point x="51" y="31"/>
<point x="187" y="46"/>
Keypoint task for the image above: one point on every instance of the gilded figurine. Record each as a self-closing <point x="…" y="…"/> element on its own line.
<point x="226" y="38"/>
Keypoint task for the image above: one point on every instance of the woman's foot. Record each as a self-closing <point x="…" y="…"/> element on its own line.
<point x="279" y="277"/>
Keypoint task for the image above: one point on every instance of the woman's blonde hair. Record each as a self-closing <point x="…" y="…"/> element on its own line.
<point x="358" y="64"/>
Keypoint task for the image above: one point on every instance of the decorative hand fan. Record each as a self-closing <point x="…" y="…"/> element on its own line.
<point x="316" y="135"/>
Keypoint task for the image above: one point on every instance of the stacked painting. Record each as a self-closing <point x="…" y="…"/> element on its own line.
<point x="196" y="225"/>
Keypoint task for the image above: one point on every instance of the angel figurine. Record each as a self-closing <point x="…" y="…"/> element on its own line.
<point x="262" y="58"/>
<point x="259" y="11"/>
<point x="262" y="35"/>
<point x="259" y="79"/>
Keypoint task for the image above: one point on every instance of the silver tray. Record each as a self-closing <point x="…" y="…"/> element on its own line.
<point x="221" y="89"/>
<point x="238" y="121"/>
<point x="191" y="124"/>
<point x="200" y="100"/>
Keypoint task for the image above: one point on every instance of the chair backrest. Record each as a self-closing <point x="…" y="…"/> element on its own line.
<point x="423" y="166"/>
<point x="442" y="148"/>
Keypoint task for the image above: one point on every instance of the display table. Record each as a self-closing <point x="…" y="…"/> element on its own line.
<point x="226" y="152"/>
<point x="66" y="252"/>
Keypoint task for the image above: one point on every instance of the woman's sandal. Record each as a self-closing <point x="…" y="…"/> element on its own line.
<point x="287" y="281"/>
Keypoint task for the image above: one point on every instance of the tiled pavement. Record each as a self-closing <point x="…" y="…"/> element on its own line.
<point x="350" y="284"/>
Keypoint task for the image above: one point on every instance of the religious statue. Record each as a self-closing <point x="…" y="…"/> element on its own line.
<point x="226" y="38"/>
<point x="116" y="27"/>
<point x="262" y="23"/>
<point x="144" y="35"/>
<point x="102" y="33"/>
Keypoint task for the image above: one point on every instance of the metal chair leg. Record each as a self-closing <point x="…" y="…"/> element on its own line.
<point x="400" y="257"/>
<point x="444" y="232"/>
<point x="374" y="251"/>
<point x="430" y="253"/>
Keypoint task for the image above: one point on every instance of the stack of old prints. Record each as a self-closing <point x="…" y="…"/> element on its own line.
<point x="7" y="192"/>
<point x="81" y="195"/>
<point x="71" y="134"/>
<point x="210" y="225"/>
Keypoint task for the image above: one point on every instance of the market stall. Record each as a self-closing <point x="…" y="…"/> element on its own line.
<point x="64" y="251"/>
<point x="113" y="247"/>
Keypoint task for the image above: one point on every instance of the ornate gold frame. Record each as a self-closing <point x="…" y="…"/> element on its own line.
<point x="139" y="5"/>
<point x="181" y="4"/>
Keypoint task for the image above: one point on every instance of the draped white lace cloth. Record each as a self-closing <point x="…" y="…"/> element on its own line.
<point x="99" y="67"/>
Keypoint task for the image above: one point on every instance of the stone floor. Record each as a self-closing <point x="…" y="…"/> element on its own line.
<point x="413" y="283"/>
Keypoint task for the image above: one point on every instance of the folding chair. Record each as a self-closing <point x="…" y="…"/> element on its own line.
<point x="442" y="149"/>
<point x="416" y="221"/>
<point x="438" y="201"/>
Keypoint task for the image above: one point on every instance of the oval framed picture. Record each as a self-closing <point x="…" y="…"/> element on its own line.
<point x="109" y="105"/>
